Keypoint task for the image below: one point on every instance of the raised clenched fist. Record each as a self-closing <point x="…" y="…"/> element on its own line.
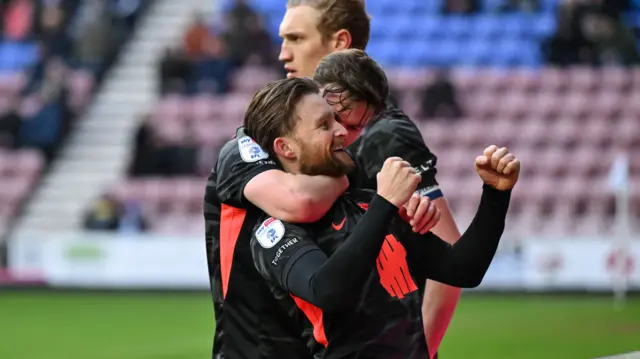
<point x="397" y="181"/>
<point x="498" y="168"/>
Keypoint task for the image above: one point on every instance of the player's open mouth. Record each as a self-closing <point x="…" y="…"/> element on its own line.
<point x="340" y="149"/>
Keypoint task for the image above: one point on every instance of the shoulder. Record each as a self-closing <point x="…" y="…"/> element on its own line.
<point x="242" y="148"/>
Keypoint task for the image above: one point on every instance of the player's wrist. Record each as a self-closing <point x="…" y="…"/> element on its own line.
<point x="384" y="204"/>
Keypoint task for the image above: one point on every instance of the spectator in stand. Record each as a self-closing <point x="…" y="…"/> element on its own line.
<point x="51" y="31"/>
<point x="589" y="33"/>
<point x="141" y="164"/>
<point x="9" y="125"/>
<point x="209" y="57"/>
<point x="519" y="6"/>
<point x="569" y="46"/>
<point x="260" y="49"/>
<point x="103" y="215"/>
<point x="132" y="219"/>
<point x="93" y="35"/>
<point x="175" y="71"/>
<point x="246" y="37"/>
<point x="613" y="44"/>
<point x="460" y="7"/>
<point x="440" y="100"/>
<point x="18" y="20"/>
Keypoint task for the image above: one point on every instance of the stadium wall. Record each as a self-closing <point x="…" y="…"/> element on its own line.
<point x="149" y="262"/>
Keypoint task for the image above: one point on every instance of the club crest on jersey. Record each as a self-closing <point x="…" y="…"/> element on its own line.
<point x="250" y="151"/>
<point x="270" y="233"/>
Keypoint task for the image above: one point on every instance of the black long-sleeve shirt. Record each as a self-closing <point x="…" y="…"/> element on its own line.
<point x="354" y="272"/>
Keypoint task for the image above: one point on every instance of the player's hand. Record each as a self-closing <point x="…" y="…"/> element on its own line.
<point x="421" y="213"/>
<point x="397" y="181"/>
<point x="498" y="168"/>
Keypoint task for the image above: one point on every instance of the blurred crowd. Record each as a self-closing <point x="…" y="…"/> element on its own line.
<point x="52" y="54"/>
<point x="591" y="33"/>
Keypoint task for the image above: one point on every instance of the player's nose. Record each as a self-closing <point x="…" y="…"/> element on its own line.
<point x="339" y="130"/>
<point x="285" y="55"/>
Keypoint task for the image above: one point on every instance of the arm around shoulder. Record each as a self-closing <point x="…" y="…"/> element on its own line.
<point x="294" y="198"/>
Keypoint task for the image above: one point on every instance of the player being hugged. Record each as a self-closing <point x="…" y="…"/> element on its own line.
<point x="356" y="272"/>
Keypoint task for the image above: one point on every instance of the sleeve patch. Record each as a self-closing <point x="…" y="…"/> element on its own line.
<point x="270" y="233"/>
<point x="250" y="151"/>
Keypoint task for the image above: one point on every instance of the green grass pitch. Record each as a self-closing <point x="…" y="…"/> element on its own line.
<point x="59" y="325"/>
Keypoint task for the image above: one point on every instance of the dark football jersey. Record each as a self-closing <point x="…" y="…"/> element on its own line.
<point x="357" y="275"/>
<point x="390" y="291"/>
<point x="249" y="323"/>
<point x="394" y="135"/>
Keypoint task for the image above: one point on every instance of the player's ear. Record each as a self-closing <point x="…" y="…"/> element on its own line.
<point x="285" y="148"/>
<point x="342" y="40"/>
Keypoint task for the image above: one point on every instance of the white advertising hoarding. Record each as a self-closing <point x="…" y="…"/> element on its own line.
<point x="89" y="260"/>
<point x="112" y="261"/>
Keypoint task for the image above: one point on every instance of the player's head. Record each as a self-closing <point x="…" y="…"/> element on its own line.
<point x="355" y="85"/>
<point x="292" y="121"/>
<point x="312" y="29"/>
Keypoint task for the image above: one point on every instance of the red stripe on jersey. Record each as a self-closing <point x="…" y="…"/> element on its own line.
<point x="231" y="220"/>
<point x="314" y="314"/>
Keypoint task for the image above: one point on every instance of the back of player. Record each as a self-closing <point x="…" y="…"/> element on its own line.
<point x="249" y="323"/>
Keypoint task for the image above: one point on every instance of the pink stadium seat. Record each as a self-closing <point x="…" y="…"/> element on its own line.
<point x="563" y="132"/>
<point x="481" y="105"/>
<point x="615" y="79"/>
<point x="12" y="83"/>
<point x="627" y="132"/>
<point x="544" y="104"/>
<point x="523" y="81"/>
<point x="251" y="79"/>
<point x="465" y="80"/>
<point x="553" y="80"/>
<point x="168" y="108"/>
<point x="410" y="80"/>
<point x="596" y="132"/>
<point x="606" y="105"/>
<point x="437" y="135"/>
<point x="575" y="104"/>
<point x="514" y="104"/>
<point x="632" y="103"/>
<point x="235" y="106"/>
<point x="533" y="132"/>
<point x="491" y="81"/>
<point x="583" y="79"/>
<point x="29" y="162"/>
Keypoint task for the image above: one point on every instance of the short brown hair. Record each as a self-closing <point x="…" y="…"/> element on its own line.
<point x="272" y="110"/>
<point x="356" y="73"/>
<point x="336" y="15"/>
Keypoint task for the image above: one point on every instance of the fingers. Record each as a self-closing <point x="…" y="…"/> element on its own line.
<point x="432" y="223"/>
<point x="504" y="161"/>
<point x="489" y="151"/>
<point x="512" y="167"/>
<point x="427" y="216"/>
<point x="497" y="156"/>
<point x="412" y="205"/>
<point x="482" y="160"/>
<point x="419" y="218"/>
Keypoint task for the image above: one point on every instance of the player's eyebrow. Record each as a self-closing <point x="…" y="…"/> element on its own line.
<point x="290" y="34"/>
<point x="323" y="117"/>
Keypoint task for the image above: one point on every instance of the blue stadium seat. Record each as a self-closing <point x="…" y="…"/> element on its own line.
<point x="487" y="27"/>
<point x="490" y="5"/>
<point x="458" y="26"/>
<point x="16" y="56"/>
<point x="544" y="26"/>
<point x="549" y="5"/>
